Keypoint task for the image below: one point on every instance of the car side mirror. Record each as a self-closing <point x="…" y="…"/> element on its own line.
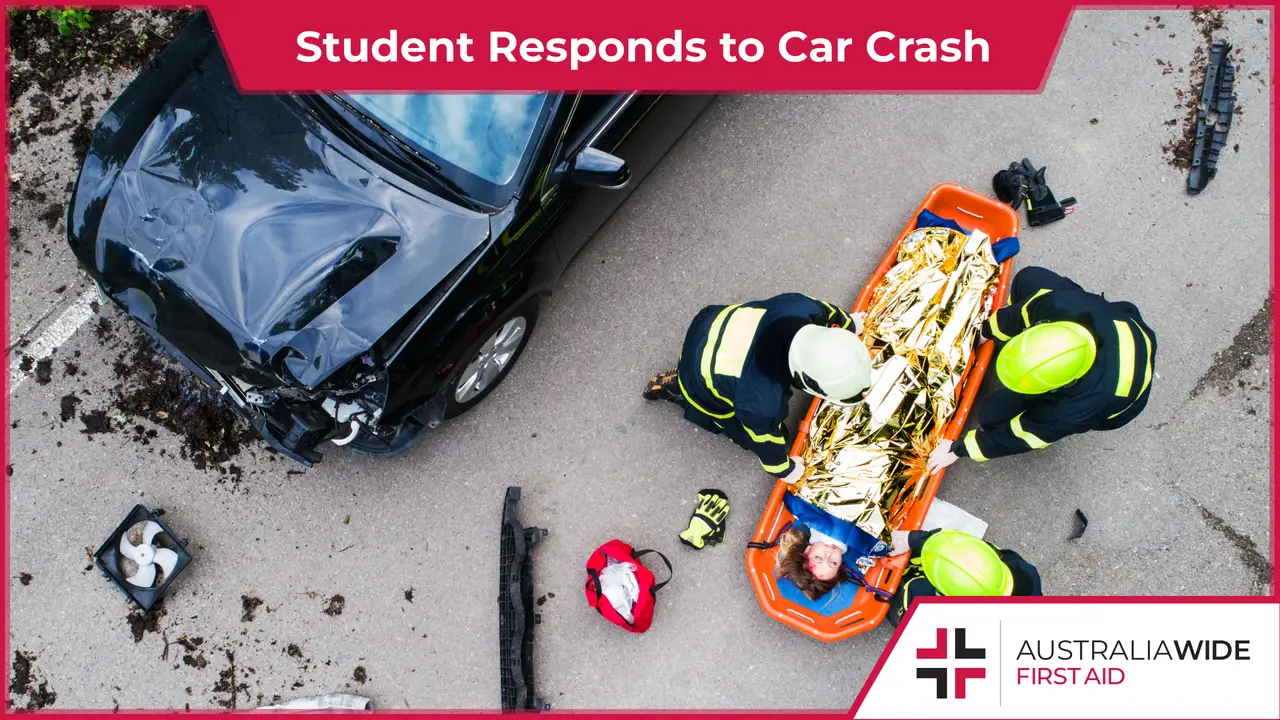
<point x="597" y="168"/>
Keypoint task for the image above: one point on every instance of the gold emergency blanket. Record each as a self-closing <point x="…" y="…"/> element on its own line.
<point x="866" y="462"/>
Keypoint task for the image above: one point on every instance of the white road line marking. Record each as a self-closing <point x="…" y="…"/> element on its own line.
<point x="59" y="332"/>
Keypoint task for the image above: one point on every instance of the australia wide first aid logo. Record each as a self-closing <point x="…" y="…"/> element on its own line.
<point x="951" y="682"/>
<point x="955" y="644"/>
<point x="1087" y="660"/>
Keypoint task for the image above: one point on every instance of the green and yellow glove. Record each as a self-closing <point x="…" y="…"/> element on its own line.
<point x="707" y="524"/>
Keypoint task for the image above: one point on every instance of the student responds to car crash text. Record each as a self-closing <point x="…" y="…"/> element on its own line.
<point x="505" y="47"/>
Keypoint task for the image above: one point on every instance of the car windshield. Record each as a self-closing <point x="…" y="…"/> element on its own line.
<point x="485" y="136"/>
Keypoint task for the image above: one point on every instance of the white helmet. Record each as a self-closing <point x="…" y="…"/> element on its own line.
<point x="832" y="363"/>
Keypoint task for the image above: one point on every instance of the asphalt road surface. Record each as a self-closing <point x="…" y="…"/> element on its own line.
<point x="765" y="194"/>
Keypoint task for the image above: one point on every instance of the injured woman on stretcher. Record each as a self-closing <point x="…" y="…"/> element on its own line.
<point x="865" y="464"/>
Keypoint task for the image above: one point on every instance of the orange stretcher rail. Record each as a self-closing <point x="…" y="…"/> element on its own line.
<point x="973" y="211"/>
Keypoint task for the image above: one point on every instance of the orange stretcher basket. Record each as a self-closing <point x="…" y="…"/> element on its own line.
<point x="973" y="211"/>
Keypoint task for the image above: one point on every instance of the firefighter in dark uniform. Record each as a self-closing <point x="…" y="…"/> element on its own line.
<point x="956" y="564"/>
<point x="1072" y="361"/>
<point x="740" y="363"/>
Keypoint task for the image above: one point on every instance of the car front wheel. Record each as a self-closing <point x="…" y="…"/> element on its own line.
<point x="489" y="362"/>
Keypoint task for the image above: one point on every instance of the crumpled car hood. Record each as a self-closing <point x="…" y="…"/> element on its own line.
<point x="248" y="235"/>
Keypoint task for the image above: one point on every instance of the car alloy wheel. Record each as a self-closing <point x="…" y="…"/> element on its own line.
<point x="492" y="361"/>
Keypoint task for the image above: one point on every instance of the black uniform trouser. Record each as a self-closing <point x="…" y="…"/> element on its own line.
<point x="729" y="427"/>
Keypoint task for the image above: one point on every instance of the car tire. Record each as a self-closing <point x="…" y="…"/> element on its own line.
<point x="486" y="364"/>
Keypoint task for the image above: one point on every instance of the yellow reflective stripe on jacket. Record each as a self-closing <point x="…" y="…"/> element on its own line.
<point x="1127" y="359"/>
<point x="971" y="446"/>
<point x="1026" y="437"/>
<point x="1146" y="379"/>
<point x="1025" y="318"/>
<point x="995" y="329"/>
<point x="765" y="438"/>
<point x="708" y="351"/>
<point x="776" y="468"/>
<point x="739" y="332"/>
<point x="698" y="407"/>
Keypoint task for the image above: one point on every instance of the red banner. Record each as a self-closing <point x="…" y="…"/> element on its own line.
<point x="660" y="45"/>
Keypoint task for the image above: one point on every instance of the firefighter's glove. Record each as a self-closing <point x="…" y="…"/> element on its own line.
<point x="706" y="526"/>
<point x="940" y="457"/>
<point x="797" y="471"/>
<point x="859" y="321"/>
<point x="901" y="542"/>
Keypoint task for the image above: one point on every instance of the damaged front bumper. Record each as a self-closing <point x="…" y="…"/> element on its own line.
<point x="295" y="422"/>
<point x="293" y="432"/>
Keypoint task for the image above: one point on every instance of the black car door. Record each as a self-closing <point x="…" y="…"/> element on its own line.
<point x="603" y="122"/>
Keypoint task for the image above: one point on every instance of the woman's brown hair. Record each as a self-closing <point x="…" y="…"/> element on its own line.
<point x="794" y="566"/>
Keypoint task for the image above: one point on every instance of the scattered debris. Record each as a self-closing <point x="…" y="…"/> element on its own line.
<point x="293" y="651"/>
<point x="1082" y="524"/>
<point x="44" y="371"/>
<point x="335" y="606"/>
<point x="96" y="421"/>
<point x="227" y="684"/>
<point x="141" y="623"/>
<point x="1251" y="343"/>
<point x="408" y="594"/>
<point x="25" y="363"/>
<point x="360" y="675"/>
<point x="190" y="644"/>
<point x="68" y="405"/>
<point x="160" y="391"/>
<point x="250" y="605"/>
<point x="22" y="683"/>
<point x="119" y="39"/>
<point x="1253" y="557"/>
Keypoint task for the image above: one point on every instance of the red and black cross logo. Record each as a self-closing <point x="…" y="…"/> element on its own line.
<point x="962" y="674"/>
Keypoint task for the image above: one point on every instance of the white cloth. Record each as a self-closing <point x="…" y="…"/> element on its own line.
<point x="618" y="583"/>
<point x="339" y="702"/>
<point x="817" y="537"/>
<point x="943" y="514"/>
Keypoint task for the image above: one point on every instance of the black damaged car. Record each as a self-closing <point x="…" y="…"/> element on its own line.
<point x="348" y="267"/>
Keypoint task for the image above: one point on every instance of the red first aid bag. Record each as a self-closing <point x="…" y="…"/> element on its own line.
<point x="642" y="611"/>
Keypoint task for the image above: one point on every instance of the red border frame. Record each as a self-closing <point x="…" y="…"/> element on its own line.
<point x="1275" y="431"/>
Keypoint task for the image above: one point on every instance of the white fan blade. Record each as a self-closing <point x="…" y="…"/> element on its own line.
<point x="167" y="560"/>
<point x="128" y="550"/>
<point x="150" y="531"/>
<point x="145" y="577"/>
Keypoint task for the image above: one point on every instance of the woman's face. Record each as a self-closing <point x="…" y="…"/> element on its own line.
<point x="824" y="560"/>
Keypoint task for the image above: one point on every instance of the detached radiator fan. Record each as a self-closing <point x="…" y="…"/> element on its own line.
<point x="142" y="557"/>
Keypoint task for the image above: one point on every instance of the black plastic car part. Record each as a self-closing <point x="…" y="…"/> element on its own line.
<point x="1213" y="120"/>
<point x="108" y="558"/>
<point x="516" y="617"/>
